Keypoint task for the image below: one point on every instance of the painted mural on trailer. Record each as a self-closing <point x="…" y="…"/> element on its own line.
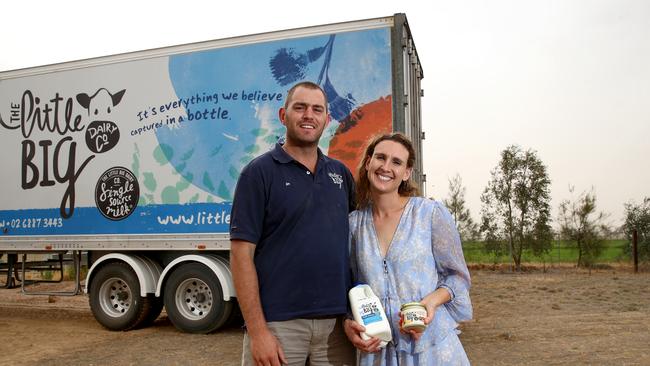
<point x="156" y="146"/>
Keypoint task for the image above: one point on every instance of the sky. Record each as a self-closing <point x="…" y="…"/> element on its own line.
<point x="569" y="79"/>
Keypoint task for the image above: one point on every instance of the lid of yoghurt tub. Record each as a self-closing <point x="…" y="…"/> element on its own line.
<point x="409" y="304"/>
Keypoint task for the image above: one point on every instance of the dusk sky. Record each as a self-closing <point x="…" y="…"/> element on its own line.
<point x="567" y="78"/>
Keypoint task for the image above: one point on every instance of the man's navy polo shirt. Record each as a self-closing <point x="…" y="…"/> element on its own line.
<point x="299" y="223"/>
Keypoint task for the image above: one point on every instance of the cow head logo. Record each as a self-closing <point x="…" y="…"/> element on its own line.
<point x="102" y="133"/>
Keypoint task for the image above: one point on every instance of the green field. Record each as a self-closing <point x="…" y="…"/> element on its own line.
<point x="563" y="252"/>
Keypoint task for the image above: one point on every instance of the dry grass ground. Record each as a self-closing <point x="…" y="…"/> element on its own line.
<point x="562" y="316"/>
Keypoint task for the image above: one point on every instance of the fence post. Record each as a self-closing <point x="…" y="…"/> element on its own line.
<point x="635" y="253"/>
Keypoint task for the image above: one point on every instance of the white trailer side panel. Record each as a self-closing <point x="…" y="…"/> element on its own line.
<point x="143" y="150"/>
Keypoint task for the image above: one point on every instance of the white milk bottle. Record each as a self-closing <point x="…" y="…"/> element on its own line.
<point x="367" y="311"/>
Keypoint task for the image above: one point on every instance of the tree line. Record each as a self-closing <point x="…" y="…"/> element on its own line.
<point x="516" y="213"/>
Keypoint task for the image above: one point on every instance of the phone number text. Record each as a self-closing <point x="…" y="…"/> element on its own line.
<point x="32" y="223"/>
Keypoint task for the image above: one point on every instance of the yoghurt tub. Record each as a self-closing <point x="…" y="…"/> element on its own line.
<point x="413" y="314"/>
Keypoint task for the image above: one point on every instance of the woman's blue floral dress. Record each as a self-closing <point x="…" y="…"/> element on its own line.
<point x="424" y="254"/>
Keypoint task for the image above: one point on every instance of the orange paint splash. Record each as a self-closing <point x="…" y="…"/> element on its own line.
<point x="355" y="131"/>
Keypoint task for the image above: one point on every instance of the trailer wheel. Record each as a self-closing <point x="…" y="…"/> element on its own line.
<point x="115" y="299"/>
<point x="194" y="299"/>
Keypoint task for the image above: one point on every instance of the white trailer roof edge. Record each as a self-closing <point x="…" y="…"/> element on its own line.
<point x="342" y="27"/>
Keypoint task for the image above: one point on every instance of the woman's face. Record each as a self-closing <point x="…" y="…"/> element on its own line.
<point x="387" y="167"/>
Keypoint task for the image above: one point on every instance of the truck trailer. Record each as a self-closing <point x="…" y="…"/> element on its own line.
<point x="131" y="160"/>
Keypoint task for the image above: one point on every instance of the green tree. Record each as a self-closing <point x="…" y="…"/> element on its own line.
<point x="637" y="217"/>
<point x="580" y="224"/>
<point x="467" y="228"/>
<point x="515" y="212"/>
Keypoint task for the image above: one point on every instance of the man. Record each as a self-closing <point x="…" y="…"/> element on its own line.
<point x="289" y="243"/>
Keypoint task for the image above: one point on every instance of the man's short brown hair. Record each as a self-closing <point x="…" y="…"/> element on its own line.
<point x="307" y="85"/>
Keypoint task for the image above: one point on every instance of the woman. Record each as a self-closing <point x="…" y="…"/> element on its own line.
<point x="407" y="249"/>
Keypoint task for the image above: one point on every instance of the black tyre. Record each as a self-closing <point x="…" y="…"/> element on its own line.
<point x="154" y="311"/>
<point x="115" y="299"/>
<point x="194" y="299"/>
<point x="236" y="319"/>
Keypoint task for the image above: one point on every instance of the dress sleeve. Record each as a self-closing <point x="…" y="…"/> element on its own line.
<point x="453" y="274"/>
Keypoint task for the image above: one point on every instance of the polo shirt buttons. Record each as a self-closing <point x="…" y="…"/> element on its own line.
<point x="308" y="172"/>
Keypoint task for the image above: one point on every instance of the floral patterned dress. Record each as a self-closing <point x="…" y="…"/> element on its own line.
<point x="424" y="254"/>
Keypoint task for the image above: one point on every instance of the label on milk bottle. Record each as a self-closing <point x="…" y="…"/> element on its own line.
<point x="369" y="312"/>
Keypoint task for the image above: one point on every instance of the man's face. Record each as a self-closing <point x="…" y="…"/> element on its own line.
<point x="305" y="117"/>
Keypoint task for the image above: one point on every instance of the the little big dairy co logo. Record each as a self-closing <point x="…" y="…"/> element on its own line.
<point x="336" y="179"/>
<point x="50" y="130"/>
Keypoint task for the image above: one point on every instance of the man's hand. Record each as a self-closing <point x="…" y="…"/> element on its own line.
<point x="266" y="350"/>
<point x="353" y="331"/>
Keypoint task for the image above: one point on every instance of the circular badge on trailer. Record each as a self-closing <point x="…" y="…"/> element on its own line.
<point x="117" y="193"/>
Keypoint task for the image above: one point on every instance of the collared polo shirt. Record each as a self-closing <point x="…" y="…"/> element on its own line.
<point x="298" y="221"/>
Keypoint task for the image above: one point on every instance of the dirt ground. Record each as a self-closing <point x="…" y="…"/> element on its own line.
<point x="562" y="316"/>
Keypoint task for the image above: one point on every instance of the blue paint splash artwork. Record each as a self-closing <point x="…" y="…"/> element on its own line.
<point x="288" y="67"/>
<point x="249" y="83"/>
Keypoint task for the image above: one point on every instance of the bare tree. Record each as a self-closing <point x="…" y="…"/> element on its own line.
<point x="467" y="228"/>
<point x="515" y="213"/>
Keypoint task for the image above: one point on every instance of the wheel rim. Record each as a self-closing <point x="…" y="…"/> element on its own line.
<point x="115" y="297"/>
<point x="193" y="299"/>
